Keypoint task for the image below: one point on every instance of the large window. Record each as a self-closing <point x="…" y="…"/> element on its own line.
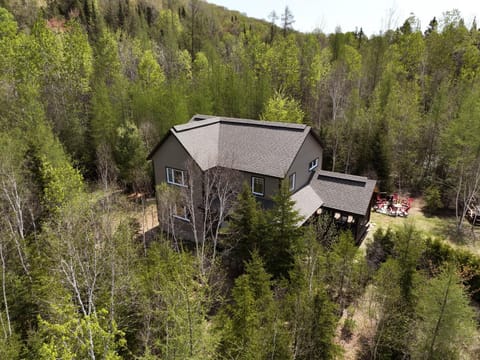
<point x="291" y="182"/>
<point x="176" y="177"/>
<point x="313" y="165"/>
<point x="258" y="186"/>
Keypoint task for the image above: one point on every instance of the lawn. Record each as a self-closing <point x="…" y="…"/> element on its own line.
<point x="437" y="226"/>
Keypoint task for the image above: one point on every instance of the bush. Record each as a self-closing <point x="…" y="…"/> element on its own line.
<point x="432" y="198"/>
<point x="437" y="253"/>
<point x="348" y="325"/>
<point x="380" y="249"/>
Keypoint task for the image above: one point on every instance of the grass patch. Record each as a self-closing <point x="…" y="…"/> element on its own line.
<point x="436" y="226"/>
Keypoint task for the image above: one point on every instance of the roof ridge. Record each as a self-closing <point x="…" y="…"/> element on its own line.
<point x="198" y="121"/>
<point x="342" y="176"/>
<point x="263" y="123"/>
<point x="196" y="124"/>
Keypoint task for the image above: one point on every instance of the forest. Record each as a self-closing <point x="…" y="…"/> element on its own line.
<point x="89" y="87"/>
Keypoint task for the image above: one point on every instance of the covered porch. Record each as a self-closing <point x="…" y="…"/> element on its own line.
<point x="345" y="200"/>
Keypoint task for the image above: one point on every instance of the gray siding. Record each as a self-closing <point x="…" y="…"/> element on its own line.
<point x="271" y="184"/>
<point x="309" y="150"/>
<point x="171" y="154"/>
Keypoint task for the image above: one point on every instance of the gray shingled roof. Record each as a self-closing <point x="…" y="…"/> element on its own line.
<point x="307" y="202"/>
<point x="347" y="193"/>
<point x="261" y="147"/>
<point x="343" y="192"/>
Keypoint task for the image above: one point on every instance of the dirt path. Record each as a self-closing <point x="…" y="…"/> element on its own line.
<point x="147" y="217"/>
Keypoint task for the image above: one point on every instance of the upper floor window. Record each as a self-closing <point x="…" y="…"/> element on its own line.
<point x="176" y="177"/>
<point x="291" y="182"/>
<point x="313" y="164"/>
<point x="258" y="186"/>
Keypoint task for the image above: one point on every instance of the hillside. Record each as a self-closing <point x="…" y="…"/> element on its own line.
<point x="88" y="87"/>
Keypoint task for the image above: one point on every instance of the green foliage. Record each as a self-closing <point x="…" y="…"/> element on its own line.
<point x="323" y="328"/>
<point x="412" y="293"/>
<point x="446" y="325"/>
<point x="432" y="198"/>
<point x="394" y="317"/>
<point x="282" y="63"/>
<point x="348" y="327"/>
<point x="103" y="81"/>
<point x="245" y="228"/>
<point x="8" y="25"/>
<point x="282" y="234"/>
<point x="104" y="117"/>
<point x="409" y="244"/>
<point x="252" y="329"/>
<point x="437" y="253"/>
<point x="79" y="337"/>
<point x="381" y="249"/>
<point x="174" y="306"/>
<point x="282" y="108"/>
<point x="130" y="155"/>
<point x="310" y="312"/>
<point x="346" y="274"/>
<point x="10" y="348"/>
<point x="149" y="71"/>
<point x="62" y="185"/>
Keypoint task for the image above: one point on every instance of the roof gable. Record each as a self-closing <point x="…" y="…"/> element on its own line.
<point x="261" y="147"/>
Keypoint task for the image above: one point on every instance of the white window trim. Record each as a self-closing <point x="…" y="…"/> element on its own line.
<point x="171" y="176"/>
<point x="292" y="184"/>
<point x="185" y="217"/>
<point x="253" y="181"/>
<point x="313" y="164"/>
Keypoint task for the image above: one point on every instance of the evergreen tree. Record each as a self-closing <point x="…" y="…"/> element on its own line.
<point x="252" y="329"/>
<point x="345" y="271"/>
<point x="445" y="326"/>
<point x="245" y="229"/>
<point x="283" y="234"/>
<point x="310" y="313"/>
<point x="130" y="155"/>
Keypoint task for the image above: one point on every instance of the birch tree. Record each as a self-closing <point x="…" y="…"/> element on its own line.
<point x="174" y="306"/>
<point x="462" y="149"/>
<point x="208" y="199"/>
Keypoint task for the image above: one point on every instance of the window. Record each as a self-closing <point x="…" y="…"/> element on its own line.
<point x="313" y="164"/>
<point x="180" y="212"/>
<point x="291" y="182"/>
<point x="258" y="186"/>
<point x="176" y="177"/>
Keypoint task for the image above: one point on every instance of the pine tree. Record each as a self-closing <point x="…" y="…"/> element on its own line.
<point x="345" y="270"/>
<point x="245" y="229"/>
<point x="251" y="325"/>
<point x="307" y="308"/>
<point x="283" y="234"/>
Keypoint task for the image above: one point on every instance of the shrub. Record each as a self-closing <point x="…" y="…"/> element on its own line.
<point x="432" y="198"/>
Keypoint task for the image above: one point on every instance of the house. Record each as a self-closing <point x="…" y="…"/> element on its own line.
<point x="263" y="153"/>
